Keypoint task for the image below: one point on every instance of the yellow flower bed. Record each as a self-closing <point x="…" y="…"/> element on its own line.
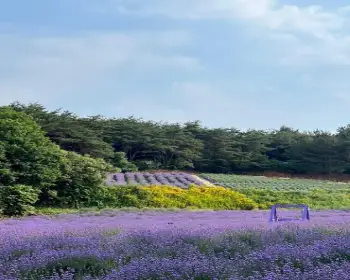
<point x="216" y="198"/>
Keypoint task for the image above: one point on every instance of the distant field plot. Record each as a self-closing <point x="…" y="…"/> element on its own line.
<point x="261" y="191"/>
<point x="261" y="182"/>
<point x="181" y="180"/>
<point x="269" y="191"/>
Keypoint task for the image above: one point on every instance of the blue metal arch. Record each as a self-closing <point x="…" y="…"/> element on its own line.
<point x="273" y="212"/>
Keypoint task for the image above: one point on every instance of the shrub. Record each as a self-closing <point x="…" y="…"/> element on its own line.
<point x="18" y="200"/>
<point x="147" y="165"/>
<point x="27" y="156"/>
<point x="123" y="196"/>
<point x="119" y="160"/>
<point x="81" y="180"/>
<point x="199" y="197"/>
<point x="173" y="197"/>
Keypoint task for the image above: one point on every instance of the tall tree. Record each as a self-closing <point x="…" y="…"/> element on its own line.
<point x="254" y="148"/>
<point x="26" y="155"/>
<point x="280" y="143"/>
<point x="173" y="146"/>
<point x="71" y="133"/>
<point x="221" y="152"/>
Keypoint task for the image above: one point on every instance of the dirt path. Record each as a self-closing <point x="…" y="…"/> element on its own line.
<point x="205" y="182"/>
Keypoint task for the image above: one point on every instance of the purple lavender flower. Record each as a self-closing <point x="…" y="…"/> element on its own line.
<point x="175" y="245"/>
<point x="120" y="179"/>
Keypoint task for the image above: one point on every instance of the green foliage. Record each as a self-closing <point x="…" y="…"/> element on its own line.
<point x="220" y="152"/>
<point x="26" y="155"/>
<point x="147" y="165"/>
<point x="72" y="176"/>
<point x="6" y="177"/>
<point x="119" y="160"/>
<point x="81" y="178"/>
<point x="265" y="191"/>
<point x="125" y="196"/>
<point x="151" y="145"/>
<point x="17" y="200"/>
<point x="261" y="182"/>
<point x="81" y="265"/>
<point x="315" y="198"/>
<point x="71" y="133"/>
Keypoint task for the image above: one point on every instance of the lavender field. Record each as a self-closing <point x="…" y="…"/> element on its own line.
<point x="176" y="245"/>
<point x="182" y="180"/>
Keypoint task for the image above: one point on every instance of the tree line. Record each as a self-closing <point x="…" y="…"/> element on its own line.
<point x="136" y="144"/>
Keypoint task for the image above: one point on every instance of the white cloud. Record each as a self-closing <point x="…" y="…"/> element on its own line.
<point x="322" y="34"/>
<point x="194" y="9"/>
<point x="127" y="72"/>
<point x="188" y="101"/>
<point x="315" y="36"/>
<point x="43" y="68"/>
<point x="312" y="19"/>
<point x="148" y="108"/>
<point x="344" y="10"/>
<point x="54" y="67"/>
<point x="343" y="96"/>
<point x="204" y="97"/>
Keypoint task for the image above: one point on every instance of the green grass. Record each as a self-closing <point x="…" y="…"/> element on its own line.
<point x="241" y="181"/>
<point x="268" y="191"/>
<point x="47" y="211"/>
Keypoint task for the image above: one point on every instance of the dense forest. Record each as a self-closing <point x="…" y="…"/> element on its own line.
<point x="132" y="143"/>
<point x="58" y="159"/>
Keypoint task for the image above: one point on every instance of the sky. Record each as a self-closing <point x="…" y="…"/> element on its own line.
<point x="248" y="64"/>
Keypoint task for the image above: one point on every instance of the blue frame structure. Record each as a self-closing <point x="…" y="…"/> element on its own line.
<point x="273" y="213"/>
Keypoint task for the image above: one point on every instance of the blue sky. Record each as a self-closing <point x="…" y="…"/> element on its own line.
<point x="228" y="63"/>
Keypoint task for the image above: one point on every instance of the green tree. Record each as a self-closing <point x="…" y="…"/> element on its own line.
<point x="138" y="139"/>
<point x="71" y="133"/>
<point x="18" y="200"/>
<point x="152" y="145"/>
<point x="254" y="149"/>
<point x="315" y="153"/>
<point x="178" y="148"/>
<point x="26" y="156"/>
<point x="221" y="150"/>
<point x="343" y="145"/>
<point x="81" y="178"/>
<point x="280" y="143"/>
<point x="119" y="160"/>
<point x="6" y="177"/>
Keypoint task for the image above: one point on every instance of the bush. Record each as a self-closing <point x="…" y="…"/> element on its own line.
<point x="147" y="165"/>
<point x="123" y="196"/>
<point x="173" y="197"/>
<point x="81" y="180"/>
<point x="119" y="160"/>
<point x="216" y="198"/>
<point x="18" y="200"/>
<point x="27" y="156"/>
